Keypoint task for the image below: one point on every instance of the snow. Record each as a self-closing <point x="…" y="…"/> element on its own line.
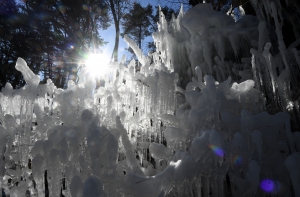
<point x="191" y="121"/>
<point x="30" y="78"/>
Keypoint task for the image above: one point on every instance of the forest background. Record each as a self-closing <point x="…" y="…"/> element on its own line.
<point x="56" y="36"/>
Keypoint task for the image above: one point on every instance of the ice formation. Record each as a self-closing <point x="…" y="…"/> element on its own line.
<point x="191" y="122"/>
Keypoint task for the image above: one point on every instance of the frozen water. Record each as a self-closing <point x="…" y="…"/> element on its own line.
<point x="191" y="122"/>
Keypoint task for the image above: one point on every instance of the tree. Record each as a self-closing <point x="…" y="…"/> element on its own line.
<point x="77" y="25"/>
<point x="118" y="9"/>
<point x="11" y="29"/>
<point x="137" y="22"/>
<point x="53" y="36"/>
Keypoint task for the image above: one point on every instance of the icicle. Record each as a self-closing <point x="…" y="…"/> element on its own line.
<point x="296" y="54"/>
<point x="234" y="41"/>
<point x="269" y="61"/>
<point x="261" y="29"/>
<point x="30" y="78"/>
<point x="205" y="185"/>
<point x="142" y="59"/>
<point x="278" y="25"/>
<point x="292" y="164"/>
<point x="254" y="2"/>
<point x="220" y="184"/>
<point x="256" y="69"/>
<point x="214" y="185"/>
<point x="257" y="139"/>
<point x="128" y="147"/>
<point x="241" y="12"/>
<point x="38" y="173"/>
<point x="73" y="145"/>
<point x="207" y="56"/>
<point x="287" y="125"/>
<point x="230" y="10"/>
<point x="198" y="185"/>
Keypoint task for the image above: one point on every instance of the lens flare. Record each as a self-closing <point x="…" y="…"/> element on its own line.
<point x="97" y="64"/>
<point x="218" y="151"/>
<point x="269" y="185"/>
<point x="62" y="9"/>
<point x="237" y="160"/>
<point x="85" y="7"/>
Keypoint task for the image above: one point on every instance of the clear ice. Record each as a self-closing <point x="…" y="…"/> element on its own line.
<point x="191" y="122"/>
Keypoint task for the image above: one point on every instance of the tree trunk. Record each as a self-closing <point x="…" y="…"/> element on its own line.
<point x="115" y="14"/>
<point x="116" y="47"/>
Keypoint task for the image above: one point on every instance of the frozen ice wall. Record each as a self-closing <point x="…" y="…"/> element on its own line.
<point x="208" y="114"/>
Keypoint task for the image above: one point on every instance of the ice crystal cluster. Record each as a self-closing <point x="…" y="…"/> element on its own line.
<point x="191" y="121"/>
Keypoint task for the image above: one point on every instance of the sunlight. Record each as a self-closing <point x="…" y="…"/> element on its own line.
<point x="97" y="64"/>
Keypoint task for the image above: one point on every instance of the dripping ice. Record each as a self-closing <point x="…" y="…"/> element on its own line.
<point x="190" y="122"/>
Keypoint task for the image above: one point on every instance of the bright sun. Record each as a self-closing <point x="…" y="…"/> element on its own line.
<point x="97" y="64"/>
